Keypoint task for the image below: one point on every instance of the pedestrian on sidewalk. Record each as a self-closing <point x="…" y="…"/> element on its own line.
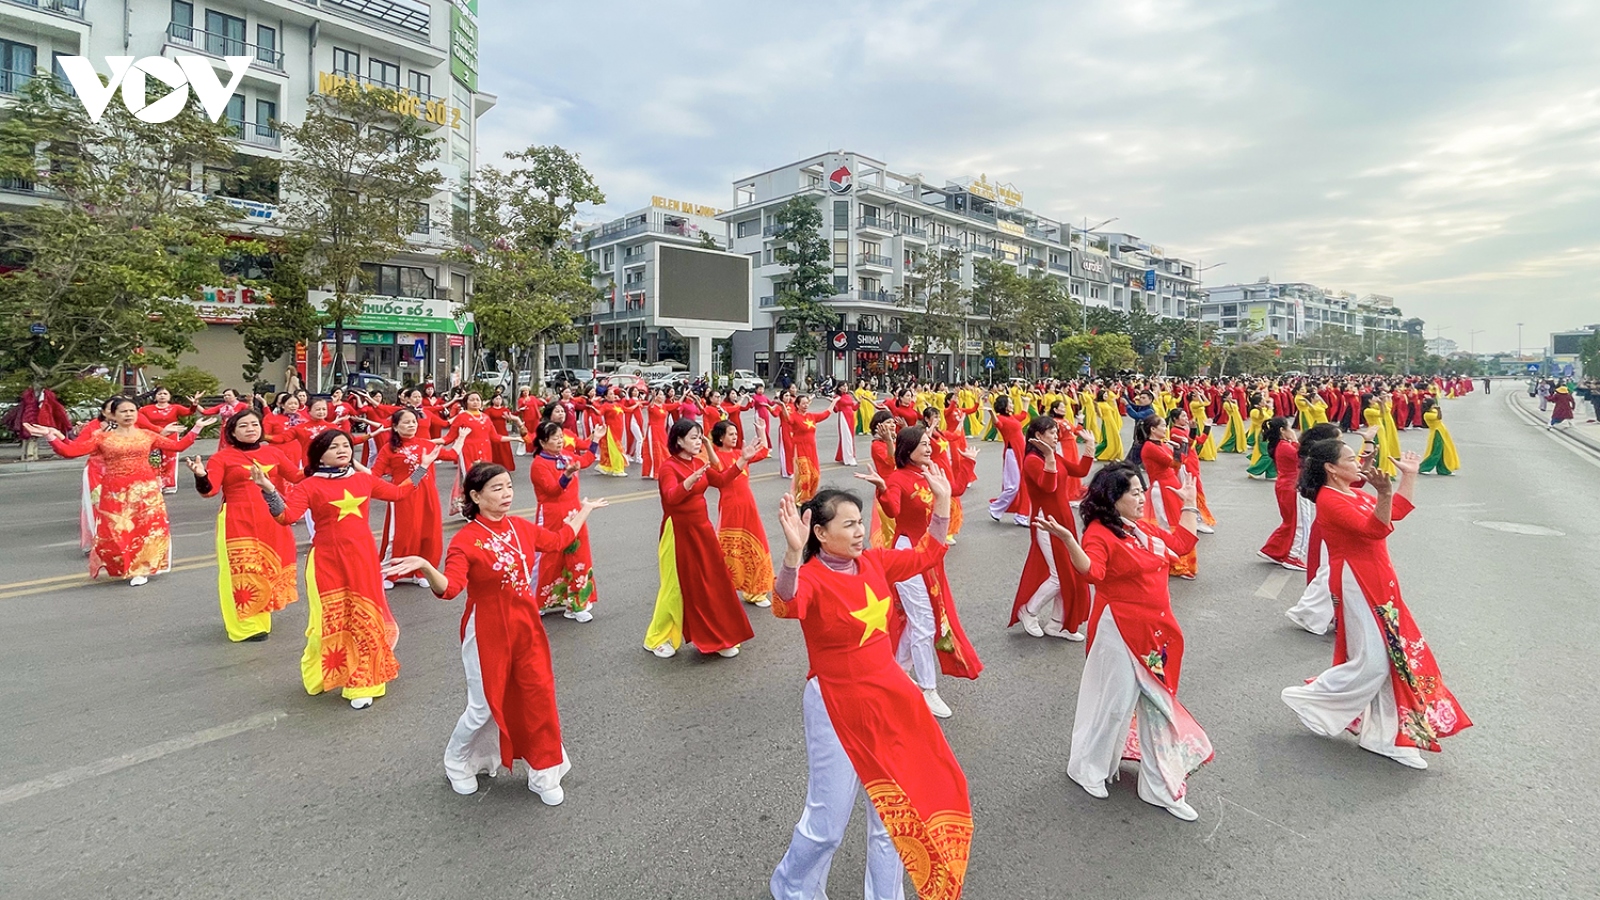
<point x="1561" y="406"/>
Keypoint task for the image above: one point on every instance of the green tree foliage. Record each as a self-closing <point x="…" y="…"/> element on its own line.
<point x="1107" y="353"/>
<point x="800" y="245"/>
<point x="120" y="240"/>
<point x="271" y="331"/>
<point x="934" y="300"/>
<point x="356" y="172"/>
<point x="529" y="285"/>
<point x="1589" y="355"/>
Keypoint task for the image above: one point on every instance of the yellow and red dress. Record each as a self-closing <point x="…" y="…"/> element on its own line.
<point x="807" y="465"/>
<point x="350" y="633"/>
<point x="696" y="602"/>
<point x="132" y="536"/>
<point x="739" y="530"/>
<point x="895" y="746"/>
<point x="255" y="555"/>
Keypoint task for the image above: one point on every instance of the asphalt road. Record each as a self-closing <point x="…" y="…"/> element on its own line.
<point x="145" y="756"/>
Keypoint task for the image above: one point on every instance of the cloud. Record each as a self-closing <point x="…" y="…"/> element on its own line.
<point x="1443" y="153"/>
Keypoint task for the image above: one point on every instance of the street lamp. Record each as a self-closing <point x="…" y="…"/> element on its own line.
<point x="1519" y="343"/>
<point x="1472" y="342"/>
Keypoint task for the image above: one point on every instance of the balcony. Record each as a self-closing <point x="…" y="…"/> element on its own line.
<point x="258" y="134"/>
<point x="877" y="223"/>
<point x="873" y="259"/>
<point x="220" y="45"/>
<point x="1060" y="267"/>
<point x="73" y="8"/>
<point x="769" y="231"/>
<point x="948" y="241"/>
<point x="769" y="301"/>
<point x="911" y="231"/>
<point x="13" y="82"/>
<point x="1033" y="262"/>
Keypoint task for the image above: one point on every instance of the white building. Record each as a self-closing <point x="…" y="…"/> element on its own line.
<point x="877" y="221"/>
<point x="623" y="326"/>
<point x="424" y="49"/>
<point x="1293" y="312"/>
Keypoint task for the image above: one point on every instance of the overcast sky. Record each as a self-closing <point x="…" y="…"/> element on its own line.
<point x="1444" y="153"/>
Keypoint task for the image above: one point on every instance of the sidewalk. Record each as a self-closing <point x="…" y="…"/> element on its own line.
<point x="1580" y="429"/>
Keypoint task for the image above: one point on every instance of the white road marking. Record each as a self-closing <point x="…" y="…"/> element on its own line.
<point x="1269" y="589"/>
<point x="68" y="777"/>
<point x="1221" y="800"/>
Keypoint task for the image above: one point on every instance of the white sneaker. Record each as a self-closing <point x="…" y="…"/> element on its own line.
<point x="388" y="585"/>
<point x="552" y="797"/>
<point x="1073" y="636"/>
<point x="1021" y="520"/>
<point x="1030" y="623"/>
<point x="729" y="652"/>
<point x="582" y="615"/>
<point x="666" y="650"/>
<point x="361" y="703"/>
<point x="170" y="490"/>
<point x="1097" y="790"/>
<point x="418" y="580"/>
<point x="1203" y="528"/>
<point x="936" y="704"/>
<point x="138" y="580"/>
<point x="465" y="786"/>
<point x="1183" y="811"/>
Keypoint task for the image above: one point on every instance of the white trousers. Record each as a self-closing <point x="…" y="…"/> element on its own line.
<point x="1107" y="697"/>
<point x="1359" y="688"/>
<point x="1305" y="512"/>
<point x="832" y="787"/>
<point x="474" y="746"/>
<point x="635" y="439"/>
<point x="1314" y="612"/>
<point x="847" y="437"/>
<point x="1010" y="483"/>
<point x="916" y="644"/>
<point x="1050" y="590"/>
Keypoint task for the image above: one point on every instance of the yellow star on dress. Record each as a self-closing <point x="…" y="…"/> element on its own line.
<point x="875" y="615"/>
<point x="350" y="505"/>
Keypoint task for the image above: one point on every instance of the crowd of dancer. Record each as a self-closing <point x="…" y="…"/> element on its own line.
<point x="865" y="578"/>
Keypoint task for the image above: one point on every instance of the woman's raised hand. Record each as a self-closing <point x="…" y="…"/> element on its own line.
<point x="874" y="479"/>
<point x="196" y="465"/>
<point x="796" y="524"/>
<point x="937" y="482"/>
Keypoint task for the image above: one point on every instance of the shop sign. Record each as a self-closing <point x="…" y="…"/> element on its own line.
<point x="685" y="207"/>
<point x="1092" y="264"/>
<point x="228" y="306"/>
<point x="429" y="315"/>
<point x="457" y="340"/>
<point x="464" y="44"/>
<point x="434" y="111"/>
<point x="1000" y="193"/>
<point x="869" y="341"/>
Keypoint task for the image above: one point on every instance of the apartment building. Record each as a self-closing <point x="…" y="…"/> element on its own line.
<point x="424" y="49"/>
<point x="624" y="323"/>
<point x="878" y="221"/>
<point x="1293" y="313"/>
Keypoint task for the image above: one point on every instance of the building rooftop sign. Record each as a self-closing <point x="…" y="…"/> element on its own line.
<point x="685" y="207"/>
<point x="432" y="110"/>
<point x="1004" y="194"/>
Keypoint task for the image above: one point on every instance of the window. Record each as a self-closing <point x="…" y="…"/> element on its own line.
<point x="421" y="83"/>
<point x="346" y="63"/>
<point x="841" y="283"/>
<point x="841" y="213"/>
<point x="183" y="17"/>
<point x="224" y="34"/>
<point x="747" y="228"/>
<point x="841" y="252"/>
<point x="872" y="247"/>
<point x="398" y="281"/>
<point x="17" y="63"/>
<point x="383" y="73"/>
<point x="867" y="322"/>
<point x="235" y="112"/>
<point x="267" y="45"/>
<point x="610" y="258"/>
<point x="1094" y="292"/>
<point x="266" y="119"/>
<point x="421" y="218"/>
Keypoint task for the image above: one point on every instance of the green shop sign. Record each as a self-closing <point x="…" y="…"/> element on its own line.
<point x="402" y="314"/>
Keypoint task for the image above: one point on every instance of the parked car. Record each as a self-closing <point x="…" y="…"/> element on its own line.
<point x="619" y="381"/>
<point x="744" y="380"/>
<point x="573" y="378"/>
<point x="676" y="379"/>
<point x="367" y="381"/>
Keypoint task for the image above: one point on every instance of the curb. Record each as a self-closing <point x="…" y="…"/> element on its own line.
<point x="1518" y="403"/>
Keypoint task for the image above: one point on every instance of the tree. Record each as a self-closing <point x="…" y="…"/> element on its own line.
<point x="1105" y="353"/>
<point x="356" y="171"/>
<point x="935" y="301"/>
<point x="707" y="242"/>
<point x="529" y="285"/>
<point x="105" y="265"/>
<point x="1041" y="307"/>
<point x="1589" y="355"/>
<point x="997" y="292"/>
<point x="272" y="330"/>
<point x="798" y="243"/>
